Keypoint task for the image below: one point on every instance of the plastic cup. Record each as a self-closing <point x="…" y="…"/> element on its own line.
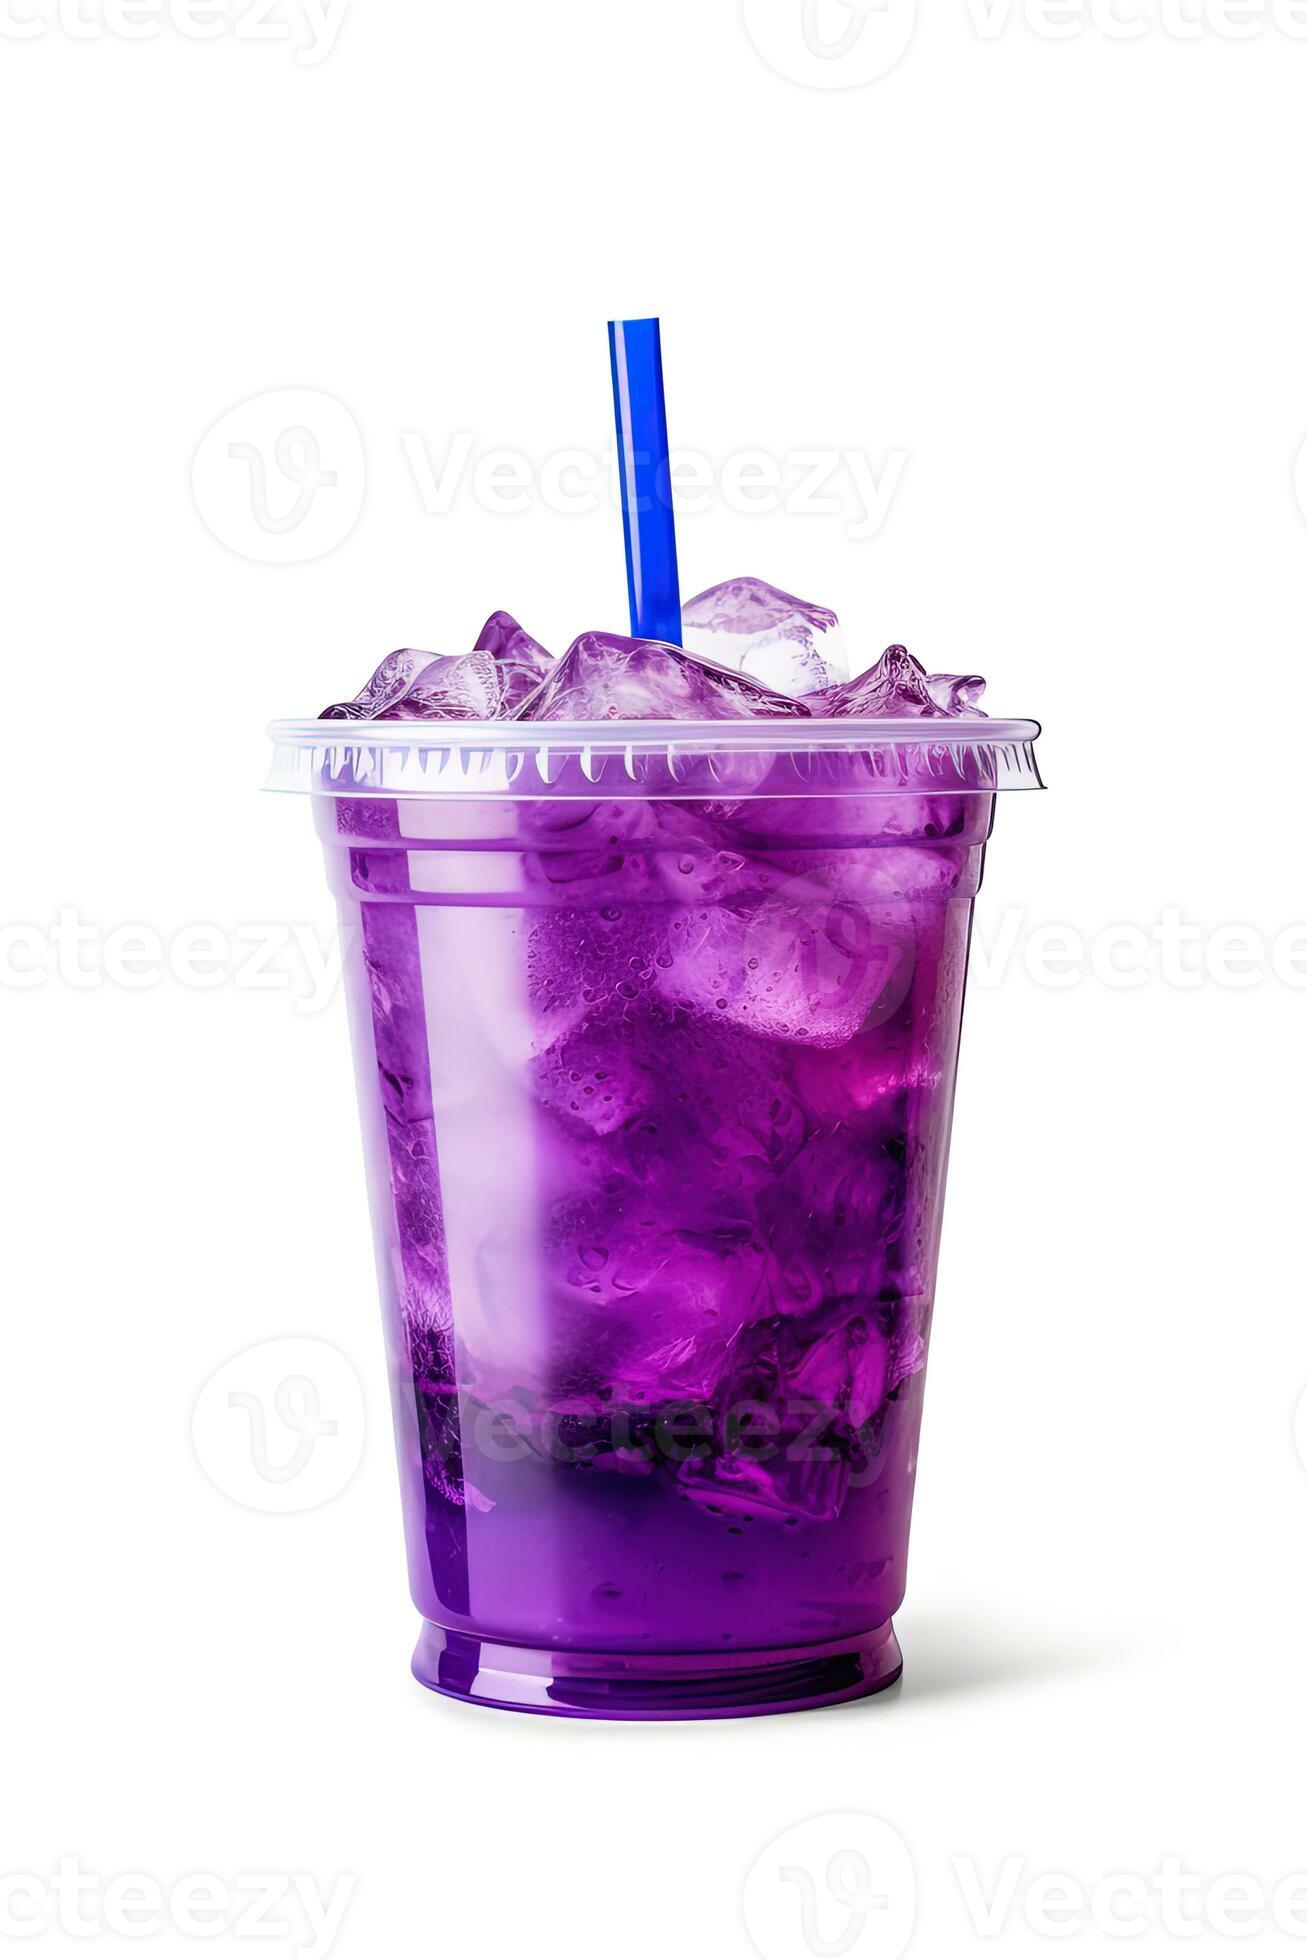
<point x="656" y="1032"/>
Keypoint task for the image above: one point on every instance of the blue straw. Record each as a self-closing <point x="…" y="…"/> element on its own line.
<point x="642" y="457"/>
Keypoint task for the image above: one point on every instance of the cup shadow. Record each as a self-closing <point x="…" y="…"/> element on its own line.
<point x="946" y="1654"/>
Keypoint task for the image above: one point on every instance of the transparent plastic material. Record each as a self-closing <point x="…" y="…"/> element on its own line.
<point x="656" y="1033"/>
<point x="652" y="759"/>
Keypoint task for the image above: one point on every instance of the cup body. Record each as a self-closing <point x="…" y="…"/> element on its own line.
<point x="656" y="1097"/>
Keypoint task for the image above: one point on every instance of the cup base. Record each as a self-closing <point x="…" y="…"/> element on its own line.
<point x="655" y="1688"/>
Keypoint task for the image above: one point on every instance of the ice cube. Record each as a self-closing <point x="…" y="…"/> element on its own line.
<point x="778" y="639"/>
<point x="746" y="1123"/>
<point x="812" y="1489"/>
<point x="648" y="1312"/>
<point x="509" y="642"/>
<point x="581" y="959"/>
<point x="847" y="1369"/>
<point x="595" y="1077"/>
<point x="489" y="684"/>
<point x="899" y="685"/>
<point x="840" y="1209"/>
<point x="603" y="677"/>
<point x="522" y="662"/>
<point x="792" y="961"/>
<point x="825" y="1379"/>
<point x="390" y="683"/>
<point x="956" y="694"/>
<point x="795" y="1463"/>
<point x="393" y="966"/>
<point x="459" y="687"/>
<point x="435" y="1385"/>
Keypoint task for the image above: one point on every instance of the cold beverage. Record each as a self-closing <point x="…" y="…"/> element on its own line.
<point x="656" y="1021"/>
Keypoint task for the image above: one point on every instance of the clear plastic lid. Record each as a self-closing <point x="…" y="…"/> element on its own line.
<point x="530" y="760"/>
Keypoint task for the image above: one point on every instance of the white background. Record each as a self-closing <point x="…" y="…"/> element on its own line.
<point x="1063" y="280"/>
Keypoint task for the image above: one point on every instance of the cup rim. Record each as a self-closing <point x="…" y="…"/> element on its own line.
<point x="663" y="760"/>
<point x="761" y="735"/>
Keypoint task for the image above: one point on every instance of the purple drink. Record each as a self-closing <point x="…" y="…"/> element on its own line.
<point x="656" y="1023"/>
